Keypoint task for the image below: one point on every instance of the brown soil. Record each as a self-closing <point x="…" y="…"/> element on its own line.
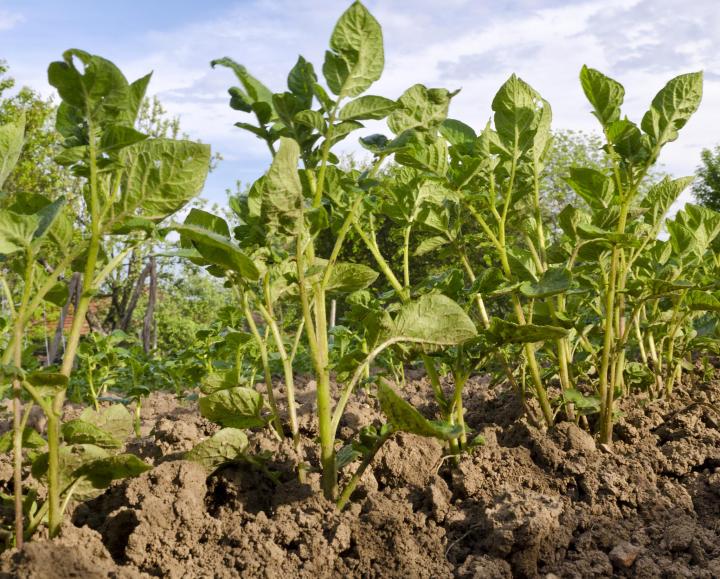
<point x="526" y="504"/>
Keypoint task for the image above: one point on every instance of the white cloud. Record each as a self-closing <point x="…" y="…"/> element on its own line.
<point x="9" y="19"/>
<point x="454" y="43"/>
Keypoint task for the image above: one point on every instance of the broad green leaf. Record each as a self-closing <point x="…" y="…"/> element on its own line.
<point x="281" y="189"/>
<point x="356" y="59"/>
<point x="702" y="301"/>
<point x="504" y="332"/>
<point x="71" y="459"/>
<point x="434" y="319"/>
<point x="554" y="281"/>
<point x="16" y="231"/>
<point x="161" y="176"/>
<point x="672" y="107"/>
<point x="80" y="432"/>
<point x="301" y="80"/>
<point x="420" y="108"/>
<point x="350" y="277"/>
<point x="254" y="90"/>
<point x="367" y="107"/>
<point x="226" y="445"/>
<point x="219" y="250"/>
<point x="30" y="439"/>
<point x="234" y="407"/>
<point x="517" y="109"/>
<point x="584" y="405"/>
<point x="661" y="196"/>
<point x="101" y="472"/>
<point x="117" y="137"/>
<point x="11" y="142"/>
<point x="406" y="418"/>
<point x="426" y="155"/>
<point x="430" y="244"/>
<point x="605" y="95"/>
<point x="457" y="133"/>
<point x="99" y="92"/>
<point x="312" y="119"/>
<point x="116" y="420"/>
<point x="594" y="187"/>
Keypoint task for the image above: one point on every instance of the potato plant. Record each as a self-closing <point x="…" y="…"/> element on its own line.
<point x="130" y="184"/>
<point x="613" y="303"/>
<point x="604" y="309"/>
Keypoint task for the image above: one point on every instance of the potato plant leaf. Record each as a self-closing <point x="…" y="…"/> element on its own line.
<point x="101" y="472"/>
<point x="504" y="332"/>
<point x="406" y="418"/>
<point x="11" y="143"/>
<point x="115" y="420"/>
<point x="80" y="432"/>
<point x="357" y="58"/>
<point x="672" y="107"/>
<point x="434" y="319"/>
<point x="238" y="407"/>
<point x="367" y="107"/>
<point x="161" y="176"/>
<point x="554" y="281"/>
<point x="225" y="446"/>
<point x="605" y="94"/>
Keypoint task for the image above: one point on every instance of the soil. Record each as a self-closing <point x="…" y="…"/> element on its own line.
<point x="527" y="503"/>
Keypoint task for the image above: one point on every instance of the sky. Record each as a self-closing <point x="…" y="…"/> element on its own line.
<point x="473" y="45"/>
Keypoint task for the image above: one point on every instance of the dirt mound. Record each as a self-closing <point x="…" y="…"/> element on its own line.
<point x="527" y="503"/>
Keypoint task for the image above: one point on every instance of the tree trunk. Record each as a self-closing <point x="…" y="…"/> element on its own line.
<point x="137" y="292"/>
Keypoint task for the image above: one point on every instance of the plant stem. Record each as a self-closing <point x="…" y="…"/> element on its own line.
<point x="367" y="459"/>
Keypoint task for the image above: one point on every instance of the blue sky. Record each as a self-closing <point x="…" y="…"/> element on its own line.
<point x="464" y="44"/>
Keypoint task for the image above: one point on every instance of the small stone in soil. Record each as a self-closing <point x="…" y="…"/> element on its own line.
<point x="624" y="554"/>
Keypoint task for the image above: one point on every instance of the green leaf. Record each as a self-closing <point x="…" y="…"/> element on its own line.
<point x="281" y="189"/>
<point x="116" y="420"/>
<point x="605" y="95"/>
<point x="219" y="250"/>
<point x="672" y="107"/>
<point x="80" y="432"/>
<point x="100" y="473"/>
<point x="255" y="91"/>
<point x="117" y="137"/>
<point x="225" y="446"/>
<point x="406" y="418"/>
<point x="30" y="439"/>
<point x="457" y="133"/>
<point x="312" y="119"/>
<point x="594" y="187"/>
<point x="12" y="136"/>
<point x="584" y="405"/>
<point x="554" y="281"/>
<point x="420" y="108"/>
<point x="367" y="107"/>
<point x="697" y="300"/>
<point x="430" y="244"/>
<point x="16" y="231"/>
<point x="71" y="459"/>
<point x="350" y="277"/>
<point x="504" y="332"/>
<point x="661" y="196"/>
<point x="301" y="80"/>
<point x="357" y="58"/>
<point x="434" y="319"/>
<point x="161" y="176"/>
<point x="233" y="407"/>
<point x="517" y="108"/>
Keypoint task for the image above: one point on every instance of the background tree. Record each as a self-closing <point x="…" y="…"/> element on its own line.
<point x="706" y="187"/>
